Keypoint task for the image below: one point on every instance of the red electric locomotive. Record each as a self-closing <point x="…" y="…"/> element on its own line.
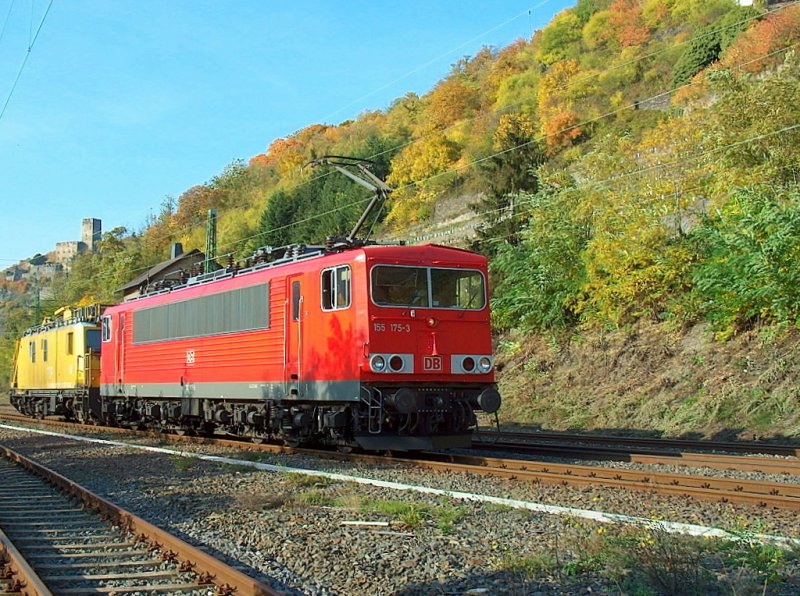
<point x="384" y="347"/>
<point x="350" y="344"/>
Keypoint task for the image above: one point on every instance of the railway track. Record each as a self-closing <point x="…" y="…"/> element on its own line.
<point x="725" y="490"/>
<point x="661" y="443"/>
<point x="58" y="538"/>
<point x="763" y="494"/>
<point x="750" y="463"/>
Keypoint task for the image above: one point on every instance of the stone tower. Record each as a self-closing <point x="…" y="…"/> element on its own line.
<point x="91" y="232"/>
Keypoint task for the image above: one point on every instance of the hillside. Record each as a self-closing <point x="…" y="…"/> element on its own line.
<point x="631" y="170"/>
<point x="647" y="379"/>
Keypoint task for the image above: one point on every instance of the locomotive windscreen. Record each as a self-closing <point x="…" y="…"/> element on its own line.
<point x="428" y="287"/>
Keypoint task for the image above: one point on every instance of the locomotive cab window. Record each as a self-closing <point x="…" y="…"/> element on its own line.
<point x="457" y="288"/>
<point x="336" y="287"/>
<point x="70" y="343"/>
<point x="106" y="329"/>
<point x="44" y="350"/>
<point x="32" y="351"/>
<point x="400" y="286"/>
<point x="428" y="287"/>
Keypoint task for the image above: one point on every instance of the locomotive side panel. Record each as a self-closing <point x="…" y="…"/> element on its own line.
<point x="331" y="336"/>
<point x="222" y="344"/>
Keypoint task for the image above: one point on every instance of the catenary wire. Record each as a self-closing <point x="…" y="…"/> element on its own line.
<point x="436" y="59"/>
<point x="242" y="241"/>
<point x="5" y="23"/>
<point x="517" y="147"/>
<point x="581" y="79"/>
<point x="25" y="60"/>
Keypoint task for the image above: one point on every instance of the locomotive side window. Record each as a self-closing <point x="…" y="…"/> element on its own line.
<point x="336" y="288"/>
<point x="44" y="350"/>
<point x="70" y="343"/>
<point x="106" y="328"/>
<point x="295" y="300"/>
<point x="32" y="351"/>
<point x="428" y="287"/>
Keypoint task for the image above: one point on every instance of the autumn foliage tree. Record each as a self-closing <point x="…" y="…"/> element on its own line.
<point x="595" y="184"/>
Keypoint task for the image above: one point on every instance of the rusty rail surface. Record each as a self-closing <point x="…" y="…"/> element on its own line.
<point x="16" y="573"/>
<point x="726" y="490"/>
<point x="745" y="463"/>
<point x="226" y="579"/>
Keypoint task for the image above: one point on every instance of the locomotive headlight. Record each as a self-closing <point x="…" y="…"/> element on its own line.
<point x="468" y="364"/>
<point x="396" y="363"/>
<point x="377" y="364"/>
<point x="485" y="364"/>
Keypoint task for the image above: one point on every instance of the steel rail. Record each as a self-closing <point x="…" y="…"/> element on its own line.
<point x="227" y="579"/>
<point x="755" y="447"/>
<point x="784" y="495"/>
<point x="748" y="463"/>
<point x="16" y="570"/>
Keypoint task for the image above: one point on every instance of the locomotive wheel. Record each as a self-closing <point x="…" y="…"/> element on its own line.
<point x="346" y="449"/>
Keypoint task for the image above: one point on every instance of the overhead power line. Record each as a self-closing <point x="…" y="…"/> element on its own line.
<point x="5" y="23"/>
<point x="527" y="12"/>
<point x="25" y="60"/>
<point x="581" y="79"/>
<point x="241" y="241"/>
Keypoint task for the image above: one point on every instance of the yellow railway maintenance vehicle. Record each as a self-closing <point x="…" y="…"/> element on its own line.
<point x="57" y="364"/>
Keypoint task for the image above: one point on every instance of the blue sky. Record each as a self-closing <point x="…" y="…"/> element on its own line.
<point x="124" y="102"/>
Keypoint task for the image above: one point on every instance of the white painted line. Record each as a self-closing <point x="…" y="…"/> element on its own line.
<point x="598" y="516"/>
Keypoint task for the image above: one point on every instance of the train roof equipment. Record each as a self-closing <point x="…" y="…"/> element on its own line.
<point x="271" y="256"/>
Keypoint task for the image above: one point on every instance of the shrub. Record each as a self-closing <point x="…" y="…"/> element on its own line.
<point x="749" y="253"/>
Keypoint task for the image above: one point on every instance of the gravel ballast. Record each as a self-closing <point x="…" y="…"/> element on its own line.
<point x="290" y="531"/>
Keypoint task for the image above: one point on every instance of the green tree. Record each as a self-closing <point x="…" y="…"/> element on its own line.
<point x="703" y="49"/>
<point x="15" y="317"/>
<point x="510" y="170"/>
<point x="750" y="249"/>
<point x="538" y="282"/>
<point x="561" y="39"/>
<point x="274" y="229"/>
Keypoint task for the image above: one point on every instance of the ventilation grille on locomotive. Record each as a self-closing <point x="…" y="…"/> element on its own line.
<point x="243" y="309"/>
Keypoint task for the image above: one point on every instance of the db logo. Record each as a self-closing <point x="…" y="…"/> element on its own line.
<point x="432" y="363"/>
